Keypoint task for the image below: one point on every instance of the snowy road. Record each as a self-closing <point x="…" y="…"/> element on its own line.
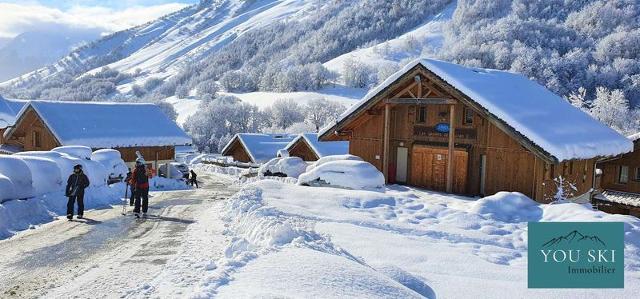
<point x="109" y="255"/>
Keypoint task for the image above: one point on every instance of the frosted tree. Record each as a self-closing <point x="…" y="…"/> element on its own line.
<point x="357" y="74"/>
<point x="319" y="112"/>
<point x="284" y="113"/>
<point x="578" y="99"/>
<point x="612" y="108"/>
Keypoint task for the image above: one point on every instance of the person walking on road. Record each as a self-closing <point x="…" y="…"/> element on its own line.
<point x="194" y="178"/>
<point x="76" y="184"/>
<point x="132" y="195"/>
<point x="140" y="183"/>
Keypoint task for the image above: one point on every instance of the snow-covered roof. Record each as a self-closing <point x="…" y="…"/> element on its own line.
<point x="261" y="147"/>
<point x="634" y="137"/>
<point x="322" y="148"/>
<point x="630" y="199"/>
<point x="544" y="119"/>
<point x="107" y="125"/>
<point x="9" y="111"/>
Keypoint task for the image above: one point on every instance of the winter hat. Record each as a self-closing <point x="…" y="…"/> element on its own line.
<point x="78" y="166"/>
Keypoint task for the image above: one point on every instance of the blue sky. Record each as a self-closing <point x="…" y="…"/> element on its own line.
<point x="20" y="16"/>
<point x="114" y="4"/>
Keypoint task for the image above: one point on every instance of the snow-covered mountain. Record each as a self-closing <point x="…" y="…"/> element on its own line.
<point x="32" y="50"/>
<point x="263" y="50"/>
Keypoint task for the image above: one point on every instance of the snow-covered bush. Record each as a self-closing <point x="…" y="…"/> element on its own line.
<point x="508" y="207"/>
<point x="112" y="161"/>
<point x="19" y="175"/>
<point x="45" y="174"/>
<point x="326" y="159"/>
<point x="349" y="174"/>
<point x="290" y="167"/>
<point x="79" y="151"/>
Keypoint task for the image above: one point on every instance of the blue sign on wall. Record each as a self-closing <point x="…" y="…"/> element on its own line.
<point x="442" y="128"/>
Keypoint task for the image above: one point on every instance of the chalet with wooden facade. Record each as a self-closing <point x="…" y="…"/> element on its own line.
<point x="472" y="131"/>
<point x="126" y="127"/>
<point x="620" y="182"/>
<point x="307" y="147"/>
<point x="255" y="147"/>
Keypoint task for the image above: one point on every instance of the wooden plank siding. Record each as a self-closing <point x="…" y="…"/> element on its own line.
<point x="238" y="152"/>
<point x="509" y="165"/>
<point x="302" y="150"/>
<point x="29" y="130"/>
<point x="611" y="172"/>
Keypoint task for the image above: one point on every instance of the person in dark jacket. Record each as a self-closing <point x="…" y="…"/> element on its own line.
<point x="140" y="183"/>
<point x="194" y="178"/>
<point x="76" y="184"/>
<point x="132" y="190"/>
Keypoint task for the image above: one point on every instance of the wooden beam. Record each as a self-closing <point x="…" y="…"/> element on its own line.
<point x="421" y="101"/>
<point x="450" y="156"/>
<point x="407" y="89"/>
<point x="385" y="141"/>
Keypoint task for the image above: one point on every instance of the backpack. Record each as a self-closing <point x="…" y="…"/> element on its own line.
<point x="141" y="176"/>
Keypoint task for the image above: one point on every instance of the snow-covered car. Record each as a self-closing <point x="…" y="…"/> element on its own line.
<point x="178" y="170"/>
<point x="283" y="167"/>
<point x="112" y="161"/>
<point x="347" y="174"/>
<point x="331" y="158"/>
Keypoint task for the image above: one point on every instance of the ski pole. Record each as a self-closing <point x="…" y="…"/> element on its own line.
<point x="126" y="197"/>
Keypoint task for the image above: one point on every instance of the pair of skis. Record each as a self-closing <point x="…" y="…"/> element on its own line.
<point x="124" y="203"/>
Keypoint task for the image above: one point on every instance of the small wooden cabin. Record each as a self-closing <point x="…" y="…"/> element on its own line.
<point x="126" y="127"/>
<point x="471" y="131"/>
<point x="256" y="147"/>
<point x="620" y="182"/>
<point x="307" y="147"/>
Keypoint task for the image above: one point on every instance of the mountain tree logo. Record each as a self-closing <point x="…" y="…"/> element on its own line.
<point x="574" y="237"/>
<point x="575" y="255"/>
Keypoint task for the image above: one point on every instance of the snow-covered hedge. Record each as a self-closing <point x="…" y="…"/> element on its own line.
<point x="349" y="174"/>
<point x="291" y="167"/>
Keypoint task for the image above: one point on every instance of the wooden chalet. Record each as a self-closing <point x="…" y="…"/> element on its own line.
<point x="126" y="127"/>
<point x="510" y="133"/>
<point x="256" y="147"/>
<point x="620" y="182"/>
<point x="307" y="147"/>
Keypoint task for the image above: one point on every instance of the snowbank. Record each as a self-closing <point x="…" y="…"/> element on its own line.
<point x="508" y="207"/>
<point x="19" y="174"/>
<point x="112" y="161"/>
<point x="291" y="167"/>
<point x="82" y="152"/>
<point x="350" y="174"/>
<point x="326" y="159"/>
<point x="286" y="240"/>
<point x="45" y="174"/>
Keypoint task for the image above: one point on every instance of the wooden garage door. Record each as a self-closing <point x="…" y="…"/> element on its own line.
<point x="429" y="169"/>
